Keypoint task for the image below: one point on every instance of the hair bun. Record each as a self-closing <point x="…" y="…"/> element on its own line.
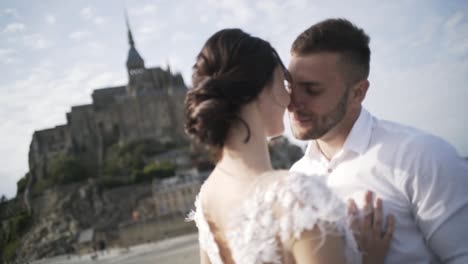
<point x="230" y="71"/>
<point x="209" y="112"/>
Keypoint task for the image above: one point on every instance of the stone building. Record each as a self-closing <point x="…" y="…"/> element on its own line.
<point x="149" y="106"/>
<point x="176" y="195"/>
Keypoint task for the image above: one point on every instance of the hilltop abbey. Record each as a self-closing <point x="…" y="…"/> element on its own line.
<point x="149" y="106"/>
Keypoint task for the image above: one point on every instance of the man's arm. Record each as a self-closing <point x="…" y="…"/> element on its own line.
<point x="438" y="190"/>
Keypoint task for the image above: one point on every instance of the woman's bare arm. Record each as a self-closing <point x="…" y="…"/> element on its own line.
<point x="204" y="257"/>
<point x="309" y="250"/>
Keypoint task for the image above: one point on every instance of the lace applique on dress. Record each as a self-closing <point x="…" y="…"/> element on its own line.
<point x="281" y="208"/>
<point x="255" y="238"/>
<point x="282" y="205"/>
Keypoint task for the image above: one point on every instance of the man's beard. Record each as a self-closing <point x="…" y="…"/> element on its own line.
<point x="324" y="123"/>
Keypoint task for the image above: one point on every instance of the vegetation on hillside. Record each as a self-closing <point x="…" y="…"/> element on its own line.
<point x="63" y="169"/>
<point x="10" y="233"/>
<point x="131" y="163"/>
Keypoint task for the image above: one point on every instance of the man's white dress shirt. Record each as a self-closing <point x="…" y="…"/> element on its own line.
<point x="419" y="177"/>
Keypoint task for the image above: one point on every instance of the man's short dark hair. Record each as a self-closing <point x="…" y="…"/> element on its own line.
<point x="340" y="36"/>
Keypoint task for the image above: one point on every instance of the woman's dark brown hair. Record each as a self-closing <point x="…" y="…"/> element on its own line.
<point x="230" y="71"/>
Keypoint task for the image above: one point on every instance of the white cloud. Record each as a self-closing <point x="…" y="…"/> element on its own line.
<point x="99" y="20"/>
<point x="204" y="18"/>
<point x="7" y="56"/>
<point x="232" y="12"/>
<point x="149" y="32"/>
<point x="423" y="34"/>
<point x="454" y="20"/>
<point x="11" y="11"/>
<point x="50" y="19"/>
<point x="461" y="47"/>
<point x="269" y="7"/>
<point x="102" y="80"/>
<point x="79" y="35"/>
<point x="5" y="53"/>
<point x="95" y="46"/>
<point x="148" y="29"/>
<point x="36" y="41"/>
<point x="14" y="28"/>
<point x="456" y="34"/>
<point x="87" y="13"/>
<point x="180" y="36"/>
<point x="148" y="9"/>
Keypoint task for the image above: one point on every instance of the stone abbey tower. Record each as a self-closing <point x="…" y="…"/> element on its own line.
<point x="150" y="106"/>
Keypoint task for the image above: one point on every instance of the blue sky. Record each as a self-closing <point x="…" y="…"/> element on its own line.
<point x="54" y="53"/>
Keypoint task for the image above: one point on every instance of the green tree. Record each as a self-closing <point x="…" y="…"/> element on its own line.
<point x="21" y="184"/>
<point x="67" y="169"/>
<point x="10" y="250"/>
<point x="3" y="199"/>
<point x="155" y="170"/>
<point x="129" y="159"/>
<point x="10" y="237"/>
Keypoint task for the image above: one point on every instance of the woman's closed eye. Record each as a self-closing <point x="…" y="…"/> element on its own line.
<point x="288" y="86"/>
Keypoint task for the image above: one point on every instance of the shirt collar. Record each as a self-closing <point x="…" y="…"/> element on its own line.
<point x="360" y="135"/>
<point x="358" y="138"/>
<point x="312" y="150"/>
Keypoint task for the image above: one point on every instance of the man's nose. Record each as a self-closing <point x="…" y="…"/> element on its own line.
<point x="296" y="102"/>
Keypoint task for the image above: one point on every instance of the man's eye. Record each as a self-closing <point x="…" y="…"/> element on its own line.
<point x="312" y="92"/>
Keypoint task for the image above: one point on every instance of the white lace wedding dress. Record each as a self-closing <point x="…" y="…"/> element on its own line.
<point x="280" y="207"/>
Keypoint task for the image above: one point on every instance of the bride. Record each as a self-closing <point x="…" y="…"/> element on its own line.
<point x="246" y="212"/>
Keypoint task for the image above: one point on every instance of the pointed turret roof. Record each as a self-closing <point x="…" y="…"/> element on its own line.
<point x="134" y="60"/>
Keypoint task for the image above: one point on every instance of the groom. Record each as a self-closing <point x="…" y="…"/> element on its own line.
<point x="420" y="178"/>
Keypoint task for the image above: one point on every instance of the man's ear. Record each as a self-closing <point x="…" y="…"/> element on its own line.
<point x="359" y="91"/>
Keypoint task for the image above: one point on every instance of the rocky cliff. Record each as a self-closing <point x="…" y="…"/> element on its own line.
<point x="61" y="214"/>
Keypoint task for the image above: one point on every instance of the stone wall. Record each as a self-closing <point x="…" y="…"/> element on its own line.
<point x="47" y="144"/>
<point x="152" y="230"/>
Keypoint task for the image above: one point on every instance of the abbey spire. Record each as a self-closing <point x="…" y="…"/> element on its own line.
<point x="135" y="63"/>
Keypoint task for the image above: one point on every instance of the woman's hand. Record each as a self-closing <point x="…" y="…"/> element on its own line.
<point x="372" y="239"/>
